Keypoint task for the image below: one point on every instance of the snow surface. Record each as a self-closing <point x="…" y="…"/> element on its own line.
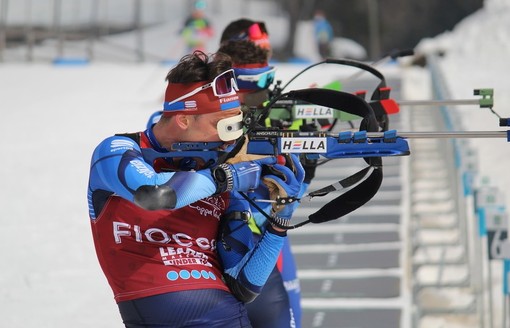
<point x="52" y="118"/>
<point x="476" y="56"/>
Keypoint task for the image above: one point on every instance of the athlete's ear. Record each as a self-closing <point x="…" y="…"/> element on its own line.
<point x="182" y="121"/>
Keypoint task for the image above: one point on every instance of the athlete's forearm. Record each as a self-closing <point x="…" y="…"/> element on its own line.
<point x="118" y="166"/>
<point x="255" y="267"/>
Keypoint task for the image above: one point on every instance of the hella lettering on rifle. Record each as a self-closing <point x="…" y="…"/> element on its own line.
<point x="303" y="145"/>
<point x="313" y="111"/>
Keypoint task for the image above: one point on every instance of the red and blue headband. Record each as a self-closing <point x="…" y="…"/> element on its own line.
<point x="202" y="98"/>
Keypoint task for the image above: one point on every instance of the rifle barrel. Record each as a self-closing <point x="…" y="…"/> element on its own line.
<point x="439" y="134"/>
<point x="438" y="102"/>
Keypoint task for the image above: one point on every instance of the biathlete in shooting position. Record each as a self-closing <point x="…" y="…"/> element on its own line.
<point x="170" y="231"/>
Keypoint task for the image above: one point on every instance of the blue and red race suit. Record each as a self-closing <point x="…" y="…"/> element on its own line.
<point x="144" y="253"/>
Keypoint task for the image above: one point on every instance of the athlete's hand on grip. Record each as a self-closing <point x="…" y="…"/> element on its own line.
<point x="242" y="176"/>
<point x="286" y="182"/>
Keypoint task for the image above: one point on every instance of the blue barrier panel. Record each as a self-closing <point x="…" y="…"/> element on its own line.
<point x="70" y="61"/>
<point x="467" y="182"/>
<point x="506" y="272"/>
<point x="482" y="227"/>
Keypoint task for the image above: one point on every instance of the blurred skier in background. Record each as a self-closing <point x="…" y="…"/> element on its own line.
<point x="323" y="33"/>
<point x="197" y="29"/>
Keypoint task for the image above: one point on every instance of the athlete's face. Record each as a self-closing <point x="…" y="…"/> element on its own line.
<point x="203" y="128"/>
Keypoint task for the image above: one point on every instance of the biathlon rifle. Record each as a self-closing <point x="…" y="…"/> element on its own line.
<point x="358" y="188"/>
<point x="371" y="142"/>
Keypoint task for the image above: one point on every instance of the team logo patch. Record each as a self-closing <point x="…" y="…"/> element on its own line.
<point x="121" y="144"/>
<point x="190" y="104"/>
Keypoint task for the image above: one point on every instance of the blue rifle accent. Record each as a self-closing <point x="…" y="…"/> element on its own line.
<point x="359" y="137"/>
<point x="346" y="145"/>
<point x="504" y="121"/>
<point x="390" y="136"/>
<point x="345" y="137"/>
<point x="269" y="142"/>
<point x="376" y="147"/>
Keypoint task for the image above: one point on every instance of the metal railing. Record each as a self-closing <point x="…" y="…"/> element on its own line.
<point x="480" y="219"/>
<point x="25" y="24"/>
